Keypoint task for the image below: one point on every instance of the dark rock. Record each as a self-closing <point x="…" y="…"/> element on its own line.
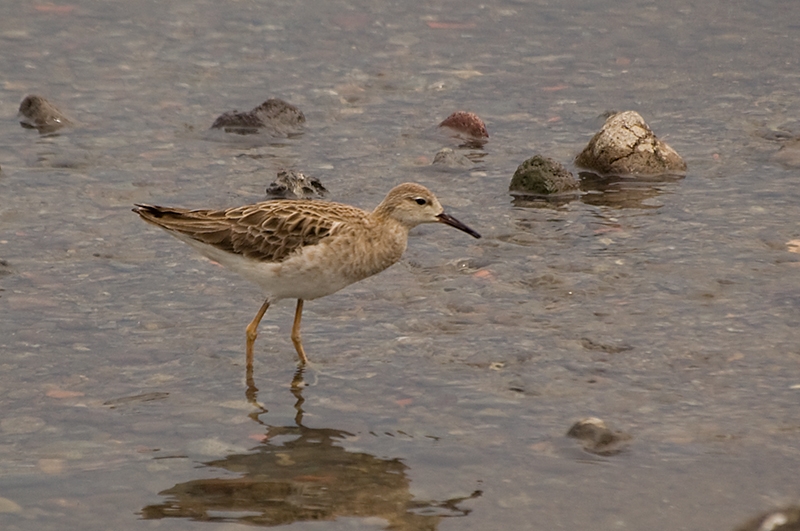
<point x="787" y="519"/>
<point x="626" y="145"/>
<point x="295" y="185"/>
<point x="274" y="116"/>
<point x="35" y="112"/>
<point x="542" y="176"/>
<point x="597" y="438"/>
<point x="466" y="122"/>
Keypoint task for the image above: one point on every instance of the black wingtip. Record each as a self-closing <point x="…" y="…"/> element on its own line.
<point x="149" y="210"/>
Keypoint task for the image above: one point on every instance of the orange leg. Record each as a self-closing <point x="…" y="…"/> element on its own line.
<point x="296" y="339"/>
<point x="252" y="332"/>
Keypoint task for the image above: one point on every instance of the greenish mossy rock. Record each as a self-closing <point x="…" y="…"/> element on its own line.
<point x="542" y="176"/>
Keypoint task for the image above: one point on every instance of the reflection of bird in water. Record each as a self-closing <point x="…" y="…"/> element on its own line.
<point x="301" y="474"/>
<point x="303" y="249"/>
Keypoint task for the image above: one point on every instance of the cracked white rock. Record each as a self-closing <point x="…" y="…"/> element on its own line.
<point x="626" y="145"/>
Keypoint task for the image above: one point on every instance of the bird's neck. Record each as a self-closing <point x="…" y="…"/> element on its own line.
<point x="384" y="243"/>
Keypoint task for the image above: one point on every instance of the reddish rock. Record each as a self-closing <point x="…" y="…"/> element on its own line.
<point x="467" y="123"/>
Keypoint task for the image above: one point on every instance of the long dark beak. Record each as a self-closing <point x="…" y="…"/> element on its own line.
<point x="453" y="222"/>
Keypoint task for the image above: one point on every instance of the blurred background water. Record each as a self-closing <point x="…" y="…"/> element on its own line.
<point x="441" y="390"/>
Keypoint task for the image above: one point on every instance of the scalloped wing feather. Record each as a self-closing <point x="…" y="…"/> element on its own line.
<point x="270" y="231"/>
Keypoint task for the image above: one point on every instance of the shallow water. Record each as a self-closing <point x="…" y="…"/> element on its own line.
<point x="441" y="390"/>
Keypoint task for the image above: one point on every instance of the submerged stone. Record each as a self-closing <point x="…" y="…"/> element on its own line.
<point x="448" y="158"/>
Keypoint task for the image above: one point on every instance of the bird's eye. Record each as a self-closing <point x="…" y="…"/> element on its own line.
<point x="420" y="201"/>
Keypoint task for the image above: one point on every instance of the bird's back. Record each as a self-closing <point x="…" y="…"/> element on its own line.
<point x="292" y="249"/>
<point x="270" y="231"/>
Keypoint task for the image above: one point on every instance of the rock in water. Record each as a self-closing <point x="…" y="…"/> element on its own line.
<point x="35" y="112"/>
<point x="626" y="145"/>
<point x="467" y="123"/>
<point x="295" y="185"/>
<point x="274" y="116"/>
<point x="447" y="158"/>
<point x="597" y="438"/>
<point x="542" y="176"/>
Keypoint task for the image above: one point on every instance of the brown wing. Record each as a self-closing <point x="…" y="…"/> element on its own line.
<point x="269" y="231"/>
